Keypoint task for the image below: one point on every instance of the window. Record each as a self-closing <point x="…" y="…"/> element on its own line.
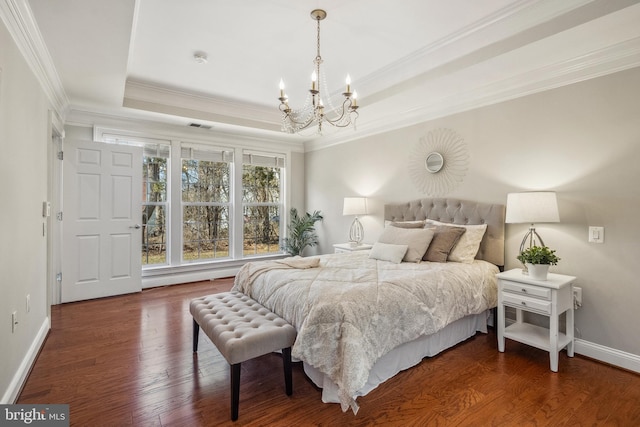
<point x="205" y="204"/>
<point x="155" y="163"/>
<point x="262" y="203"/>
<point x="206" y="195"/>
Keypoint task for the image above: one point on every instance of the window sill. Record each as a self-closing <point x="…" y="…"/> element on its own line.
<point x="171" y="275"/>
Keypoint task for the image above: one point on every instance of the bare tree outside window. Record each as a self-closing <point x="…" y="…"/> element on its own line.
<point x="154" y="210"/>
<point x="205" y="209"/>
<point x="261" y="193"/>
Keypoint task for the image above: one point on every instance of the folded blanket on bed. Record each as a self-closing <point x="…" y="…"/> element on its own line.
<point x="253" y="269"/>
<point x="352" y="310"/>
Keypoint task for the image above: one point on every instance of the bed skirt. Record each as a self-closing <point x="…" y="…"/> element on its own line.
<point x="405" y="356"/>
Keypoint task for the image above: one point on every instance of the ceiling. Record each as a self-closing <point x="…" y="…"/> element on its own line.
<point x="410" y="61"/>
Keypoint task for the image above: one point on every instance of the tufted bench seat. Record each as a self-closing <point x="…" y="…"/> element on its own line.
<point x="242" y="329"/>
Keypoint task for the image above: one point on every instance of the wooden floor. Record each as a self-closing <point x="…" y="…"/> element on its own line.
<point x="127" y="361"/>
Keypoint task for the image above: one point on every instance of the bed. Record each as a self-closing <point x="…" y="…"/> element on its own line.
<point x="361" y="319"/>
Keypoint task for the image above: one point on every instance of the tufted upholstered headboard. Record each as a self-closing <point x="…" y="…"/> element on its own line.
<point x="458" y="212"/>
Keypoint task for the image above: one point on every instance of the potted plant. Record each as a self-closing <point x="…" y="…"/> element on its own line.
<point x="537" y="260"/>
<point x="302" y="232"/>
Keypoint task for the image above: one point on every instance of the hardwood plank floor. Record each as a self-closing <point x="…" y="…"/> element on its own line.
<point x="127" y="361"/>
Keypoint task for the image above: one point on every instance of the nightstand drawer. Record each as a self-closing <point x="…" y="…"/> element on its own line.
<point x="344" y="248"/>
<point x="523" y="289"/>
<point x="531" y="304"/>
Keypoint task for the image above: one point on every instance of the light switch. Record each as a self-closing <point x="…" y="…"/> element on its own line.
<point x="596" y="234"/>
<point x="46" y="209"/>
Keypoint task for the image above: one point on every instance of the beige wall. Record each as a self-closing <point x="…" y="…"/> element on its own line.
<point x="582" y="141"/>
<point x="24" y="137"/>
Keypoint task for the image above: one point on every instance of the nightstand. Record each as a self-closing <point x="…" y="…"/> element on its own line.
<point x="339" y="248"/>
<point x="550" y="298"/>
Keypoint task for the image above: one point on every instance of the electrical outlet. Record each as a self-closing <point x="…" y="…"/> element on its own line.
<point x="14" y="321"/>
<point x="577" y="297"/>
<point x="28" y="303"/>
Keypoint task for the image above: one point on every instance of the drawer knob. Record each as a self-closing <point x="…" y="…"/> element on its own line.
<point x="524" y="303"/>
<point x="524" y="290"/>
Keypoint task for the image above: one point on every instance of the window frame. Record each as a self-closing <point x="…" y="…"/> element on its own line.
<point x="274" y="160"/>
<point x="216" y="154"/>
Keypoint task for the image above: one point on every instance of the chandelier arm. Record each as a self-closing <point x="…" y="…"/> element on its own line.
<point x="343" y="112"/>
<point x="299" y="124"/>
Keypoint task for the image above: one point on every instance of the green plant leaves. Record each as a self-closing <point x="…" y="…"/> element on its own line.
<point x="302" y="232"/>
<point x="538" y="255"/>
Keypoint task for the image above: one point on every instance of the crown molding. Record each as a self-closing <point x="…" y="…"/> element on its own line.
<point x="153" y="97"/>
<point x="150" y="127"/>
<point x="499" y="26"/>
<point x="18" y="18"/>
<point x="597" y="63"/>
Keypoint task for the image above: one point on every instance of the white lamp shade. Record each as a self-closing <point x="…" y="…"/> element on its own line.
<point x="532" y="207"/>
<point x="354" y="206"/>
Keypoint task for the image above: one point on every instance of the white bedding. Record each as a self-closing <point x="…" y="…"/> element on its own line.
<point x="352" y="310"/>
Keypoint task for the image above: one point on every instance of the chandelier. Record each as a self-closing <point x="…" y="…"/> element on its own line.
<point x="318" y="108"/>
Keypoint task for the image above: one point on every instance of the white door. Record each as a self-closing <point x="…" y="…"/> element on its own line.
<point x="102" y="198"/>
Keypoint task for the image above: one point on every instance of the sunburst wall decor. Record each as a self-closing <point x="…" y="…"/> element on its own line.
<point x="439" y="162"/>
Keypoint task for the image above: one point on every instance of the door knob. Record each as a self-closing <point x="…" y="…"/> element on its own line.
<point x="135" y="226"/>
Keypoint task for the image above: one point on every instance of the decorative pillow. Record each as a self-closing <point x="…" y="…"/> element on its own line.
<point x="388" y="252"/>
<point x="444" y="240"/>
<point x="407" y="224"/>
<point x="467" y="247"/>
<point x="417" y="239"/>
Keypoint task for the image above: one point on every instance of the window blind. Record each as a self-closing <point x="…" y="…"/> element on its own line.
<point x="205" y="153"/>
<point x="150" y="147"/>
<point x="262" y="159"/>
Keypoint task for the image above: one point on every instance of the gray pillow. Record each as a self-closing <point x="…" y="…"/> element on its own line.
<point x="444" y="240"/>
<point x="467" y="247"/>
<point x="407" y="224"/>
<point x="417" y="239"/>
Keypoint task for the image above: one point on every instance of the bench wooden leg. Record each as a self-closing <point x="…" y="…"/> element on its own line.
<point x="235" y="390"/>
<point x="286" y="361"/>
<point x="196" y="334"/>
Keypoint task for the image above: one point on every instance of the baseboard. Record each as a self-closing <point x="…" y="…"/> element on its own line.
<point x="607" y="355"/>
<point x="186" y="277"/>
<point x="12" y="392"/>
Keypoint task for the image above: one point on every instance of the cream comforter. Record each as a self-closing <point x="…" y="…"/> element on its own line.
<point x="351" y="310"/>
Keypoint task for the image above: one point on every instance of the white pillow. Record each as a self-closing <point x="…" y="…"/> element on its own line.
<point x="388" y="252"/>
<point x="467" y="247"/>
<point x="417" y="239"/>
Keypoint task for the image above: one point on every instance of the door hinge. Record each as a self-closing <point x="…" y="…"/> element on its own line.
<point x="60" y="155"/>
<point x="59" y="216"/>
<point x="59" y="277"/>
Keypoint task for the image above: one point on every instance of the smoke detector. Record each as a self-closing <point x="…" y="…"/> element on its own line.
<point x="200" y="57"/>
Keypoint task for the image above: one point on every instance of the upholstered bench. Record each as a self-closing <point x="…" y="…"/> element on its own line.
<point x="242" y="329"/>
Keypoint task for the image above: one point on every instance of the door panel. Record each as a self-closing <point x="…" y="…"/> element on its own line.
<point x="101" y="236"/>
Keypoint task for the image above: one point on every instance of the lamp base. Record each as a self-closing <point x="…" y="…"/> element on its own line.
<point x="356" y="233"/>
<point x="531" y="236"/>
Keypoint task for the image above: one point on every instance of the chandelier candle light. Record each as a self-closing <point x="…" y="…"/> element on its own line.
<point x="314" y="111"/>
